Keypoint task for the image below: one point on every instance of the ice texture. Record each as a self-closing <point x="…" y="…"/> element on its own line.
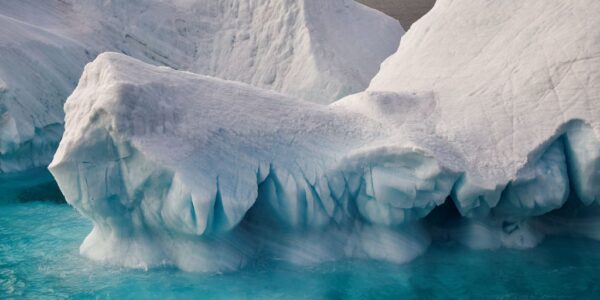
<point x="303" y="48"/>
<point x="507" y="85"/>
<point x="199" y="162"/>
<point x="481" y="105"/>
<point x="38" y="71"/>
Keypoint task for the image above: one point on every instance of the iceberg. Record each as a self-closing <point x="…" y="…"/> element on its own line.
<point x="38" y="71"/>
<point x="480" y="106"/>
<point x="302" y="48"/>
<point x="150" y="151"/>
<point x="516" y="95"/>
<point x="511" y="91"/>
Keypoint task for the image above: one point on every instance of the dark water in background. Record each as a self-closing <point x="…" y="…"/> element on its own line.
<point x="39" y="259"/>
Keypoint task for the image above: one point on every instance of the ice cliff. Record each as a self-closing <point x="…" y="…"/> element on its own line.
<point x="311" y="49"/>
<point x="173" y="166"/>
<point x="517" y="99"/>
<point x="482" y="108"/>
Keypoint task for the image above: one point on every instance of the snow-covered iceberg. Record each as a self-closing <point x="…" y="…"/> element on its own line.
<point x="303" y="48"/>
<point x="163" y="161"/>
<point x="481" y="105"/>
<point x="38" y="71"/>
<point x="517" y="100"/>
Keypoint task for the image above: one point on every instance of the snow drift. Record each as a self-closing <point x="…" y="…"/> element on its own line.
<point x="480" y="105"/>
<point x="302" y="48"/>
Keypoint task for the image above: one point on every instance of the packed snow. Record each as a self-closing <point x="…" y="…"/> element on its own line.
<point x="303" y="48"/>
<point x="481" y="104"/>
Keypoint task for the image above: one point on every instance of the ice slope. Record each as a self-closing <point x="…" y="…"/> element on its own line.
<point x="303" y="48"/>
<point x="507" y="86"/>
<point x="38" y="71"/>
<point x="206" y="174"/>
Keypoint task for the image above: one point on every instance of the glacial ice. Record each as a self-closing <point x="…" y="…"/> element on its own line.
<point x="584" y="159"/>
<point x="506" y="93"/>
<point x="302" y="48"/>
<point x="481" y="107"/>
<point x="149" y="151"/>
<point x="38" y="71"/>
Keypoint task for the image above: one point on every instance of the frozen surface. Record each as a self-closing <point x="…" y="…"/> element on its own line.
<point x="149" y="151"/>
<point x="38" y="70"/>
<point x="497" y="112"/>
<point x="506" y="86"/>
<point x="303" y="48"/>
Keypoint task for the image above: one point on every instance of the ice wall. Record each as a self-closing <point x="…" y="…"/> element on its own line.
<point x="150" y="151"/>
<point x="481" y="105"/>
<point x="173" y="166"/>
<point x="302" y="48"/>
<point x="506" y="84"/>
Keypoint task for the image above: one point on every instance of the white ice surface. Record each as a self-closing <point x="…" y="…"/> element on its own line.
<point x="508" y="77"/>
<point x="305" y="48"/>
<point x="481" y="103"/>
<point x="152" y="151"/>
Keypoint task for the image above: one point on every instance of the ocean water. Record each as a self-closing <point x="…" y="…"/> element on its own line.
<point x="39" y="259"/>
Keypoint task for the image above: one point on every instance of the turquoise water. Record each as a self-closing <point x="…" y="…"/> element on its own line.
<point x="39" y="259"/>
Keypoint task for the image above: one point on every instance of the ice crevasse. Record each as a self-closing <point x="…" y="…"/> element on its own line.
<point x="480" y="104"/>
<point x="302" y="48"/>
